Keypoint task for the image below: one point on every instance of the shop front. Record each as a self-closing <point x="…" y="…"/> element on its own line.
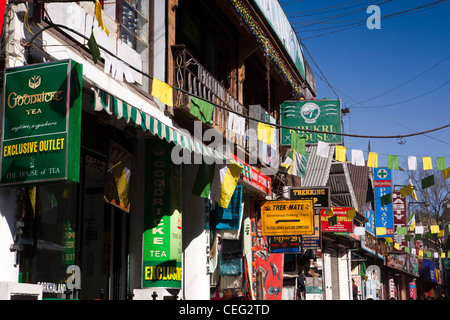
<point x="88" y="188"/>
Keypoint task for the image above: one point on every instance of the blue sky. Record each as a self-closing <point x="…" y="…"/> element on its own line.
<point x="409" y="58"/>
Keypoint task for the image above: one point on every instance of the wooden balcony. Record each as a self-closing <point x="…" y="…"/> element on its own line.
<point x="194" y="79"/>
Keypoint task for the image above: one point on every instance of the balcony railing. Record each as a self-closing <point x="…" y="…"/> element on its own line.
<point x="193" y="78"/>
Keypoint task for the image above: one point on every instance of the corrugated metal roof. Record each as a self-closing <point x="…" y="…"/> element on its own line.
<point x="359" y="176"/>
<point x="341" y="185"/>
<point x="317" y="169"/>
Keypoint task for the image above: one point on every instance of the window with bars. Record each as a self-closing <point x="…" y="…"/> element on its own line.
<point x="132" y="17"/>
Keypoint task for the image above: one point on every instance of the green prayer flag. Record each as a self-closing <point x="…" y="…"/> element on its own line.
<point x="401" y="231"/>
<point x="407" y="238"/>
<point x="407" y="249"/>
<point x="203" y="110"/>
<point x="363" y="269"/>
<point x="386" y="199"/>
<point x="417" y="237"/>
<point x="298" y="143"/>
<point x="332" y="221"/>
<point x="427" y="182"/>
<point x="393" y="162"/>
<point x="93" y="47"/>
<point x="303" y="164"/>
<point x="440" y="163"/>
<point x="202" y="184"/>
<point x="428" y="235"/>
<point x="429" y="254"/>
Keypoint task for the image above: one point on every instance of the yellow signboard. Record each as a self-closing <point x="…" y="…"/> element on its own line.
<point x="287" y="217"/>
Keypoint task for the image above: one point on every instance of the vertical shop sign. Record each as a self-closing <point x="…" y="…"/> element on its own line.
<point x="162" y="220"/>
<point x="370" y="224"/>
<point x="41" y="123"/>
<point x="384" y="217"/>
<point x="399" y="210"/>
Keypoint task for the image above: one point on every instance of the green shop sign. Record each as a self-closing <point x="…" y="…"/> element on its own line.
<point x="317" y="115"/>
<point x="162" y="221"/>
<point x="41" y="123"/>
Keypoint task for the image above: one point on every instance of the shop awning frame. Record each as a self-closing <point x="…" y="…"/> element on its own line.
<point x="105" y="101"/>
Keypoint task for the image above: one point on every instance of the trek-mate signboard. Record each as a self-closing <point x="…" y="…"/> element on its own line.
<point x="41" y="124"/>
<point x="287" y="217"/>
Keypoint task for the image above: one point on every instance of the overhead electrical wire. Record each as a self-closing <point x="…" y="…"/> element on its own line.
<point x="333" y="17"/>
<point x="381" y="115"/>
<point x="362" y="22"/>
<point x="407" y="81"/>
<point x="410" y="99"/>
<point x="59" y="26"/>
<point x="300" y="13"/>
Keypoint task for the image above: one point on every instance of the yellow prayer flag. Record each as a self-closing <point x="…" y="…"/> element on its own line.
<point x="388" y="240"/>
<point x="446" y="173"/>
<point x="406" y="191"/>
<point x="122" y="184"/>
<point x="381" y="231"/>
<point x="265" y="133"/>
<point x="441" y="233"/>
<point x="163" y="92"/>
<point x="396" y="246"/>
<point x="224" y="183"/>
<point x="351" y="213"/>
<point x="427" y="165"/>
<point x="413" y="193"/>
<point x="372" y="160"/>
<point x="341" y="153"/>
<point x="442" y="254"/>
<point x="32" y="195"/>
<point x="420" y="253"/>
<point x="98" y="16"/>
<point x="434" y="228"/>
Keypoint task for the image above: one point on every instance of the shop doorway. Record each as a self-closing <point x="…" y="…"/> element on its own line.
<point x="103" y="244"/>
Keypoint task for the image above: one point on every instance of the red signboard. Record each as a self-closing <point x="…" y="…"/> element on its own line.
<point x="344" y="224"/>
<point x="382" y="183"/>
<point x="267" y="268"/>
<point x="254" y="177"/>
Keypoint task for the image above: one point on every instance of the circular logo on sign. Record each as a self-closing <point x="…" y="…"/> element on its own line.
<point x="310" y="112"/>
<point x="382" y="173"/>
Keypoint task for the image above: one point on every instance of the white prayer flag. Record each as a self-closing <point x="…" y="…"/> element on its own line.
<point x="323" y="149"/>
<point x="359" y="231"/>
<point x="412" y="163"/>
<point x="419" y="230"/>
<point x="358" y="158"/>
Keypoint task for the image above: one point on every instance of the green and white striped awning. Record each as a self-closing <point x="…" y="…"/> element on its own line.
<point x="112" y="105"/>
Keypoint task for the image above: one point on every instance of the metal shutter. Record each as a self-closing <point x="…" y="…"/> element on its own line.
<point x="334" y="261"/>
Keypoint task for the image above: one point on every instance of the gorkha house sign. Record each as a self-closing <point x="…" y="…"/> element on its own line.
<point x="41" y="123"/>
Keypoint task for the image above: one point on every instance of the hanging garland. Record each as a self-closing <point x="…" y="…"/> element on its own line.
<point x="263" y="40"/>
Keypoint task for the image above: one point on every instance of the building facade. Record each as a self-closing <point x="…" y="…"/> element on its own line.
<point x="156" y="96"/>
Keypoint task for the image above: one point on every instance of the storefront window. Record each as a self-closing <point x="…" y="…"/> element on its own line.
<point x="49" y="238"/>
